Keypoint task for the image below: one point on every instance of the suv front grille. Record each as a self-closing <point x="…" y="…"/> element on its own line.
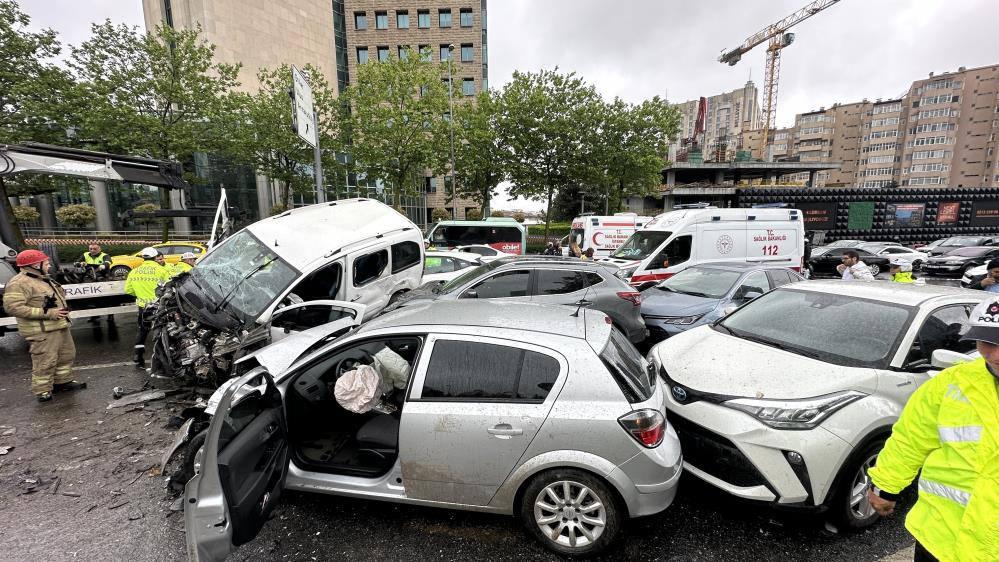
<point x="715" y="455"/>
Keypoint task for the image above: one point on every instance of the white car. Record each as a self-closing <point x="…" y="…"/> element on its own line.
<point x="441" y="267"/>
<point x="972" y="273"/>
<point x="789" y="399"/>
<point x="892" y="251"/>
<point x="486" y="253"/>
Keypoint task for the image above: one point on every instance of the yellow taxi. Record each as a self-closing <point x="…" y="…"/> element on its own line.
<point x="172" y="251"/>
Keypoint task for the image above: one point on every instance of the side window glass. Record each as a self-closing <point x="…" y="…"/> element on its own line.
<point x="593" y="279"/>
<point x="559" y="282"/>
<point x="306" y="317"/>
<point x="779" y="277"/>
<point x="676" y="252"/>
<point x="506" y="284"/>
<point x="370" y="267"/>
<point x="941" y="330"/>
<point x="405" y="255"/>
<point x="472" y="371"/>
<point x="323" y="283"/>
<point x="461" y="264"/>
<point x="755" y="282"/>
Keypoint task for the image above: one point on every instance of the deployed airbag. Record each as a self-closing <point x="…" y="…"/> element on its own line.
<point x="359" y="390"/>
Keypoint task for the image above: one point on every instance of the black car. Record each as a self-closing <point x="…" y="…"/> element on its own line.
<point x="955" y="242"/>
<point x="958" y="262"/>
<point x="825" y="260"/>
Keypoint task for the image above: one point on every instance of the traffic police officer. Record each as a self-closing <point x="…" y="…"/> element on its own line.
<point x="142" y="283"/>
<point x="94" y="256"/>
<point x="39" y="304"/>
<point x="186" y="263"/>
<point x="948" y="433"/>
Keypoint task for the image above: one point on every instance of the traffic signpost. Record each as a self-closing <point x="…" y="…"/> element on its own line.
<point x="304" y="122"/>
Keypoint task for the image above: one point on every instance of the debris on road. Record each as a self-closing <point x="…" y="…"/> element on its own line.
<point x="6" y="449"/>
<point x="138" y="398"/>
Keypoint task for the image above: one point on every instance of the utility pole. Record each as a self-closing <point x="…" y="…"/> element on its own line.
<point x="450" y="122"/>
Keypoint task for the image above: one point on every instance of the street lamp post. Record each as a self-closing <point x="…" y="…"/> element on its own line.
<point x="450" y="100"/>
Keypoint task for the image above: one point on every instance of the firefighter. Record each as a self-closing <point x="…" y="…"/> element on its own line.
<point x="186" y="263"/>
<point x="948" y="434"/>
<point x="142" y="283"/>
<point x="39" y="304"/>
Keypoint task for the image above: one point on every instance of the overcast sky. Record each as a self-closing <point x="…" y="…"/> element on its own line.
<point x="637" y="49"/>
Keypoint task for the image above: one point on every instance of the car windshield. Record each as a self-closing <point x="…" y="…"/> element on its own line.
<point x="630" y="370"/>
<point x="247" y="272"/>
<point x="956" y="241"/>
<point x="641" y="244"/>
<point x="701" y="282"/>
<point x="838" y="329"/>
<point x="460" y="280"/>
<point x="969" y="252"/>
<point x="819" y="251"/>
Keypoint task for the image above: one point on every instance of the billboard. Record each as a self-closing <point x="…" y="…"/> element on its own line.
<point x="861" y="215"/>
<point x="948" y="212"/>
<point x="903" y="215"/>
<point x="818" y="216"/>
<point x="985" y="213"/>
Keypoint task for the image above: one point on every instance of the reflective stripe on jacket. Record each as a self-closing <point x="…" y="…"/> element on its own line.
<point x="24" y="298"/>
<point x="143" y="281"/>
<point x="100" y="259"/>
<point x="949" y="430"/>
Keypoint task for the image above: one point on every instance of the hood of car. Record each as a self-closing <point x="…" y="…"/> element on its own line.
<point x="659" y="302"/>
<point x="707" y="361"/>
<point x="946" y="258"/>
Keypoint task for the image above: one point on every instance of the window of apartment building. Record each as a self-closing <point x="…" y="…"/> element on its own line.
<point x="926" y="181"/>
<point x="402" y="19"/>
<point x="931" y="127"/>
<point x="925" y="154"/>
<point x="381" y="20"/>
<point x="360" y="20"/>
<point x="880" y="159"/>
<point x="383" y="54"/>
<point x="468" y="86"/>
<point x="467" y="52"/>
<point x="430" y="185"/>
<point x="444" y="17"/>
<point x="934" y="167"/>
<point x="423" y="19"/>
<point x="941" y="85"/>
<point x="403" y="52"/>
<point x="930" y="100"/>
<point x="930" y="141"/>
<point x="425" y="54"/>
<point x="888" y="108"/>
<point x="362" y="55"/>
<point x="445" y="53"/>
<point x="466" y="17"/>
<point x="944" y="112"/>
<point x="884" y="121"/>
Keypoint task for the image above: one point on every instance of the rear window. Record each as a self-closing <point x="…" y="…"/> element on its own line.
<point x="630" y="370"/>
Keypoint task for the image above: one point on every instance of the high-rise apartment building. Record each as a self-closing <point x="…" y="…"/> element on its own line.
<point x="728" y="116"/>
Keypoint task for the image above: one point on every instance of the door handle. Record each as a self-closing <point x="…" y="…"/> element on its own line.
<point x="505" y="430"/>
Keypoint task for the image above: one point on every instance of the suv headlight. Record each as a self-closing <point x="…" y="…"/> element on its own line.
<point x="682" y="320"/>
<point x="794" y="414"/>
<point x="626" y="273"/>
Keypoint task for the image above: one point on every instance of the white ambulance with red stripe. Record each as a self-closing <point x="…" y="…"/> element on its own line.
<point x="676" y="240"/>
<point x="604" y="233"/>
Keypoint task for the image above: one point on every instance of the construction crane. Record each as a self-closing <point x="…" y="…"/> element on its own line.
<point x="779" y="38"/>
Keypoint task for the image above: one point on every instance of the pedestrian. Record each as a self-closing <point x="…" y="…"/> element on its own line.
<point x="549" y="250"/>
<point x="588" y="255"/>
<point x="142" y="283"/>
<point x="186" y="263"/>
<point x="948" y="433"/>
<point x="901" y="271"/>
<point x="558" y="248"/>
<point x="39" y="304"/>
<point x="854" y="269"/>
<point x="574" y="250"/>
<point x="988" y="282"/>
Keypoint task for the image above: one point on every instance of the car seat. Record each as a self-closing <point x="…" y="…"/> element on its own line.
<point x="380" y="435"/>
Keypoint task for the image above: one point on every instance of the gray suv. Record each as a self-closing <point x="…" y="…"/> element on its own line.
<point x="496" y="407"/>
<point x="550" y="280"/>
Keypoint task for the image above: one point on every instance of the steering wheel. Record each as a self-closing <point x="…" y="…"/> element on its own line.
<point x="350" y="363"/>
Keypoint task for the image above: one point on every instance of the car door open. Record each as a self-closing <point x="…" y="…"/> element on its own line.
<point x="243" y="465"/>
<point x="306" y="315"/>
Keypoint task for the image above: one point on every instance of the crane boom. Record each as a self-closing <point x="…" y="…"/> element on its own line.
<point x="775" y="29"/>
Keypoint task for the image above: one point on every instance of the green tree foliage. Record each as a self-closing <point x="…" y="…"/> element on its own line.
<point x="479" y="152"/>
<point x="26" y="213"/>
<point x="397" y="126"/>
<point x="77" y="216"/>
<point x="146" y="208"/>
<point x="497" y="213"/>
<point x="519" y="217"/>
<point x="440" y="214"/>
<point x="473" y="215"/>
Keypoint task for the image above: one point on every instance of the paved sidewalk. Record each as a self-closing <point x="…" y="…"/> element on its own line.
<point x="904" y="555"/>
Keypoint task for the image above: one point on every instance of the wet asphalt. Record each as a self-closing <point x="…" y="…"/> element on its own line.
<point x="81" y="482"/>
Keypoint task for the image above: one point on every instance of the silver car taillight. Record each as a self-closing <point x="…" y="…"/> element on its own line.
<point x="647" y="427"/>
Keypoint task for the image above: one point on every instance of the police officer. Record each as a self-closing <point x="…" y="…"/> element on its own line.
<point x="948" y="434"/>
<point x="901" y="271"/>
<point x="186" y="263"/>
<point x="142" y="283"/>
<point x="39" y="304"/>
<point x="96" y="258"/>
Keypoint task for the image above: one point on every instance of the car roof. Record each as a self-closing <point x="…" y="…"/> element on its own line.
<point x="487" y="313"/>
<point x="467" y="256"/>
<point x="302" y="235"/>
<point x="908" y="294"/>
<point x="739" y="266"/>
<point x="551" y="260"/>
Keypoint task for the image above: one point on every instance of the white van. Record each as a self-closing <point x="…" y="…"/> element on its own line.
<point x="603" y="233"/>
<point x="676" y="240"/>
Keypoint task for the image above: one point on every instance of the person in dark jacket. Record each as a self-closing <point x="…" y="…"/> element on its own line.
<point x="988" y="282"/>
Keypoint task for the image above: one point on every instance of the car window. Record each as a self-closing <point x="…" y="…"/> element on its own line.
<point x="676" y="252"/>
<point x="481" y="250"/>
<point x="593" y="279"/>
<point x="701" y="282"/>
<point x="405" y="255"/>
<point x="559" y="281"/>
<point x="779" y="277"/>
<point x="166" y="250"/>
<point x="437" y="264"/>
<point x="467" y="371"/>
<point x="184" y="249"/>
<point x="462" y="264"/>
<point x="370" y="267"/>
<point x="323" y="283"/>
<point x="505" y="284"/>
<point x="941" y="330"/>
<point x="755" y="282"/>
<point x="630" y="370"/>
<point x="310" y="316"/>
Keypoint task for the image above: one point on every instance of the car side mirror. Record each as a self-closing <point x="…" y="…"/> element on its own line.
<point x="944" y="358"/>
<point x="470" y="295"/>
<point x="750" y="295"/>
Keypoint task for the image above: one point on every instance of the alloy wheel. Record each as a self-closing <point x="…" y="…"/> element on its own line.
<point x="570" y="514"/>
<point x="860" y="506"/>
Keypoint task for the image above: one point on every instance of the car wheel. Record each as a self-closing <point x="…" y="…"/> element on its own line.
<point x="875" y="269"/>
<point x="917" y="265"/>
<point x="571" y="512"/>
<point x="120" y="272"/>
<point x="850" y="506"/>
<point x="190" y="462"/>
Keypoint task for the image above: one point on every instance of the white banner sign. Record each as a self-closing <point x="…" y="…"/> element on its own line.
<point x="303" y="118"/>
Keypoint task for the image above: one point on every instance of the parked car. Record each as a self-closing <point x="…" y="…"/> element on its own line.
<point x="549" y="280"/>
<point x="486" y="253"/>
<point x="958" y="262"/>
<point x="172" y="252"/>
<point x="441" y="267"/>
<point x="789" y="399"/>
<point x="927" y="247"/>
<point x="956" y="242"/>
<point x="972" y="273"/>
<point x="825" y="260"/>
<point x="704" y="293"/>
<point x="894" y="251"/>
<point x="464" y="424"/>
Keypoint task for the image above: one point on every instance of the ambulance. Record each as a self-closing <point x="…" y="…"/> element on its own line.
<point x="676" y="240"/>
<point x="604" y="234"/>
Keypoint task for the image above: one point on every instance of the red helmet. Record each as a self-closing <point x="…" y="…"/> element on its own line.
<point x="30" y="257"/>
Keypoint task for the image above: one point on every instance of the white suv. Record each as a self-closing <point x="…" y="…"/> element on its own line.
<point x="790" y="398"/>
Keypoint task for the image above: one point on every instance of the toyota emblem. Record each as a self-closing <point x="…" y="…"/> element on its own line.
<point x="679" y="393"/>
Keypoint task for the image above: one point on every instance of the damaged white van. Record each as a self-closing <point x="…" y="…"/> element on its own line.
<point x="290" y="272"/>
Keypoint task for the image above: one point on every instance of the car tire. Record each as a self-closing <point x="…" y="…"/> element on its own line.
<point x="875" y="269"/>
<point x="850" y="508"/>
<point x="917" y="265"/>
<point x="120" y="272"/>
<point x="186" y="468"/>
<point x="591" y="516"/>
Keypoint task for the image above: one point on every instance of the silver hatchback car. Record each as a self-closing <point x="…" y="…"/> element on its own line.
<point x="543" y="412"/>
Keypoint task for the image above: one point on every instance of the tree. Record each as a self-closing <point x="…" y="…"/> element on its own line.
<point x="396" y="126"/>
<point x="440" y="214"/>
<point x="25" y="213"/>
<point x="497" y="213"/>
<point x="145" y="208"/>
<point x="76" y="215"/>
<point x="473" y="215"/>
<point x="520" y="217"/>
<point x="545" y="124"/>
<point x="479" y="153"/>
